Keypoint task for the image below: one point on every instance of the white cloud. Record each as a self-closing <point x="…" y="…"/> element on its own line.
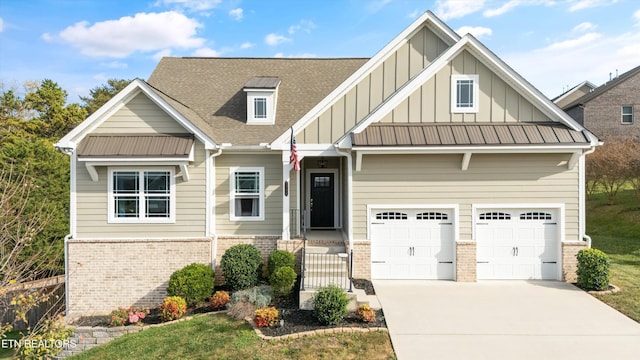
<point x="275" y="39"/>
<point x="451" y="9"/>
<point x="414" y="14"/>
<point x="114" y="65"/>
<point x="143" y="32"/>
<point x="300" y="55"/>
<point x="577" y="5"/>
<point x="585" y="26"/>
<point x="100" y="77"/>
<point x="46" y="37"/>
<point x="191" y="5"/>
<point x="477" y="31"/>
<point x="376" y="5"/>
<point x="512" y="4"/>
<point x="636" y="16"/>
<point x="247" y="45"/>
<point x="1" y="25"/>
<point x="160" y="54"/>
<point x="205" y="52"/>
<point x="598" y="56"/>
<point x="236" y="14"/>
<point x="303" y="25"/>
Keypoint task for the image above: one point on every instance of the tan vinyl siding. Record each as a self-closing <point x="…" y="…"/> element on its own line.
<point x="140" y="115"/>
<point x="406" y="62"/>
<point x="490" y="179"/>
<point x="92" y="200"/>
<point x="272" y="223"/>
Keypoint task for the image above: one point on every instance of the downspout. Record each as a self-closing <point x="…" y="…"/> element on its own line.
<point x="583" y="210"/>
<point x="66" y="275"/>
<point x="211" y="196"/>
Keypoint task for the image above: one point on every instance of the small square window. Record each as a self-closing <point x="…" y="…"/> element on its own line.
<point x="464" y="93"/>
<point x="627" y="114"/>
<point x="260" y="108"/>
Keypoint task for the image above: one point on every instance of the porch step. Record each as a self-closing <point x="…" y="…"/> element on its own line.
<point x="326" y="249"/>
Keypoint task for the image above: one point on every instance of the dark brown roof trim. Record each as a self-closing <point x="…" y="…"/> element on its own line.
<point x="136" y="146"/>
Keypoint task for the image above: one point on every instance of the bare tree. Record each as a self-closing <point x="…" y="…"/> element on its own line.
<point x="608" y="167"/>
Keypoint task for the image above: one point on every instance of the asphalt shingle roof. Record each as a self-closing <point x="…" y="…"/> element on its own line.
<point x="210" y="91"/>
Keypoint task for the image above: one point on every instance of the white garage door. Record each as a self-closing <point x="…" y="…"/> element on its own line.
<point x="517" y="244"/>
<point x="412" y="244"/>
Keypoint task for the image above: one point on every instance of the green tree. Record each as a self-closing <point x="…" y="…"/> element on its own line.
<point x="99" y="95"/>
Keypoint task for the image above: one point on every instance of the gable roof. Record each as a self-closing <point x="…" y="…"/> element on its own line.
<point x="173" y="108"/>
<point x="212" y="89"/>
<point x="569" y="92"/>
<point x="604" y="88"/>
<point x="489" y="59"/>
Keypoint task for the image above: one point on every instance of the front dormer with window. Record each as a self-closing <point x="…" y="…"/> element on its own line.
<point x="262" y="96"/>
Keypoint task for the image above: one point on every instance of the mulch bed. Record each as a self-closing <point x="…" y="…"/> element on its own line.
<point x="295" y="320"/>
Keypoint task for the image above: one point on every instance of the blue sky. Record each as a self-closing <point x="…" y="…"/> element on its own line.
<point x="81" y="43"/>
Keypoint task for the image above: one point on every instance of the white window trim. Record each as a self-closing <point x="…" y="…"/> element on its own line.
<point x="112" y="219"/>
<point x="232" y="192"/>
<point x="622" y="115"/>
<point x="270" y="97"/>
<point x="454" y="97"/>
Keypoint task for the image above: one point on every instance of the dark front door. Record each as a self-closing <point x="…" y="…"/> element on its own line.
<point x="322" y="200"/>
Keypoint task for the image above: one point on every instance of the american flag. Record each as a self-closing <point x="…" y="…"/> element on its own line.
<point x="293" y="159"/>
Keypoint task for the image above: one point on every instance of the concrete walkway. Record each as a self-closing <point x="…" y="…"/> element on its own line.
<point x="503" y="320"/>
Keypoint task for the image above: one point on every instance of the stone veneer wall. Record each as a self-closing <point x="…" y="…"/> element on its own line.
<point x="106" y="274"/>
<point x="361" y="258"/>
<point x="569" y="260"/>
<point x="466" y="266"/>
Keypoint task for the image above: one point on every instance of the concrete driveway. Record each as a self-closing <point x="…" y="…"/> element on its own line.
<point x="503" y="320"/>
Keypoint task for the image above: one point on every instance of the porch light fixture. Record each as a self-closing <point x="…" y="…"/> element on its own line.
<point x="322" y="163"/>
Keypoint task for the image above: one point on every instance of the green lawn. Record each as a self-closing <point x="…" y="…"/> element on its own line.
<point x="217" y="336"/>
<point x="615" y="229"/>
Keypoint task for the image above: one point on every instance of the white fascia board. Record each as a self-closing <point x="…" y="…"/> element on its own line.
<point x="574" y="89"/>
<point x="118" y="101"/>
<point x="402" y="38"/>
<point x="471" y="149"/>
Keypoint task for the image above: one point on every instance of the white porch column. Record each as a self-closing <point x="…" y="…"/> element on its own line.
<point x="286" y="193"/>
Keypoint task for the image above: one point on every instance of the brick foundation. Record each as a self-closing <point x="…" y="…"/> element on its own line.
<point x="569" y="260"/>
<point x="466" y="265"/>
<point x="362" y="259"/>
<point x="107" y="274"/>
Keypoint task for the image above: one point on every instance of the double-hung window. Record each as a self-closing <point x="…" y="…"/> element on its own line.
<point x="260" y="108"/>
<point x="464" y="93"/>
<point x="627" y="114"/>
<point x="141" y="196"/>
<point x="247" y="193"/>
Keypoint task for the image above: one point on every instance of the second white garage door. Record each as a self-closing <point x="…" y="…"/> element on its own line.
<point x="517" y="244"/>
<point x="412" y="244"/>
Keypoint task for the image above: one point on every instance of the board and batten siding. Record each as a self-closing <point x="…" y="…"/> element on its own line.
<point x="420" y="51"/>
<point x="272" y="223"/>
<point x="140" y="115"/>
<point x="490" y="179"/>
<point x="92" y="198"/>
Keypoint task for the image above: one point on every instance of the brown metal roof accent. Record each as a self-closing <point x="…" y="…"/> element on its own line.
<point x="136" y="145"/>
<point x="468" y="134"/>
<point x="262" y="82"/>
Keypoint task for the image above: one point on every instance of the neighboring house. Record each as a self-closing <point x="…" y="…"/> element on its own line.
<point x="611" y="109"/>
<point x="432" y="160"/>
<point x="573" y="94"/>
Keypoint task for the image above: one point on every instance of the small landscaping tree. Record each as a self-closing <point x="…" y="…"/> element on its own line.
<point x="278" y="259"/>
<point x="194" y="283"/>
<point x="282" y="280"/>
<point x="593" y="269"/>
<point x="330" y="304"/>
<point x="241" y="266"/>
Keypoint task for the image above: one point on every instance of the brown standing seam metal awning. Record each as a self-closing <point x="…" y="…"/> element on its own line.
<point x="136" y="146"/>
<point x="468" y="134"/>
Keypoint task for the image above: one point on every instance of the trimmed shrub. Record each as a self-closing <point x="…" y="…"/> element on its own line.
<point x="280" y="258"/>
<point x="366" y="314"/>
<point x="266" y="317"/>
<point x="172" y="308"/>
<point x="241" y="266"/>
<point x="282" y="280"/>
<point x="593" y="269"/>
<point x="330" y="305"/>
<point x="219" y="299"/>
<point x="193" y="283"/>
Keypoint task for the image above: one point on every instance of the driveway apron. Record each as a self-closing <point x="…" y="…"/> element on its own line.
<point x="503" y="320"/>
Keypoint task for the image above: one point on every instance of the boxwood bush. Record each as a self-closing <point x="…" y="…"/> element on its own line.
<point x="593" y="269"/>
<point x="280" y="258"/>
<point x="330" y="304"/>
<point x="241" y="266"/>
<point x="282" y="280"/>
<point x="193" y="283"/>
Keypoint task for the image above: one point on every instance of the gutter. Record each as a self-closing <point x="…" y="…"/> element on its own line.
<point x="211" y="203"/>
<point x="583" y="218"/>
<point x="66" y="274"/>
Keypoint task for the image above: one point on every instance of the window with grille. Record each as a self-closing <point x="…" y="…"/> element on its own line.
<point x="495" y="216"/>
<point x="464" y="93"/>
<point x="534" y="215"/>
<point x="432" y="216"/>
<point x="141" y="196"/>
<point x="391" y="215"/>
<point x="247" y="194"/>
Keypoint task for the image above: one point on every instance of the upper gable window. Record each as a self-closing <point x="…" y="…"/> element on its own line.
<point x="464" y="93"/>
<point x="262" y="98"/>
<point x="627" y="114"/>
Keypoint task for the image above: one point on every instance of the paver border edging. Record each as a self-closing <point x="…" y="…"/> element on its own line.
<point x="612" y="290"/>
<point x="298" y="335"/>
